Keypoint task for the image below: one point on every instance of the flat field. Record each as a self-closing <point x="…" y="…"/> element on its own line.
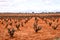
<point x="24" y="26"/>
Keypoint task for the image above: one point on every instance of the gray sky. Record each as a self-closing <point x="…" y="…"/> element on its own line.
<point x="29" y="5"/>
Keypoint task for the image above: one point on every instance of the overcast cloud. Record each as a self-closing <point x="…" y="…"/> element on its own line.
<point x="29" y="5"/>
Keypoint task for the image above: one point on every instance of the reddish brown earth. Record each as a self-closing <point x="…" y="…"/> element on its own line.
<point x="27" y="32"/>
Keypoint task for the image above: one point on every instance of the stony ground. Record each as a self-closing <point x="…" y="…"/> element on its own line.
<point x="27" y="32"/>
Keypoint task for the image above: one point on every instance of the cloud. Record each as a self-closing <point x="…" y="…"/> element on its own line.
<point x="29" y="5"/>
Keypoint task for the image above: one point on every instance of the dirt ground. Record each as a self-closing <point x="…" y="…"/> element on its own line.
<point x="26" y="30"/>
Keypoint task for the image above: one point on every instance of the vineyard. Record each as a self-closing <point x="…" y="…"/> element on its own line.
<point x="30" y="26"/>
